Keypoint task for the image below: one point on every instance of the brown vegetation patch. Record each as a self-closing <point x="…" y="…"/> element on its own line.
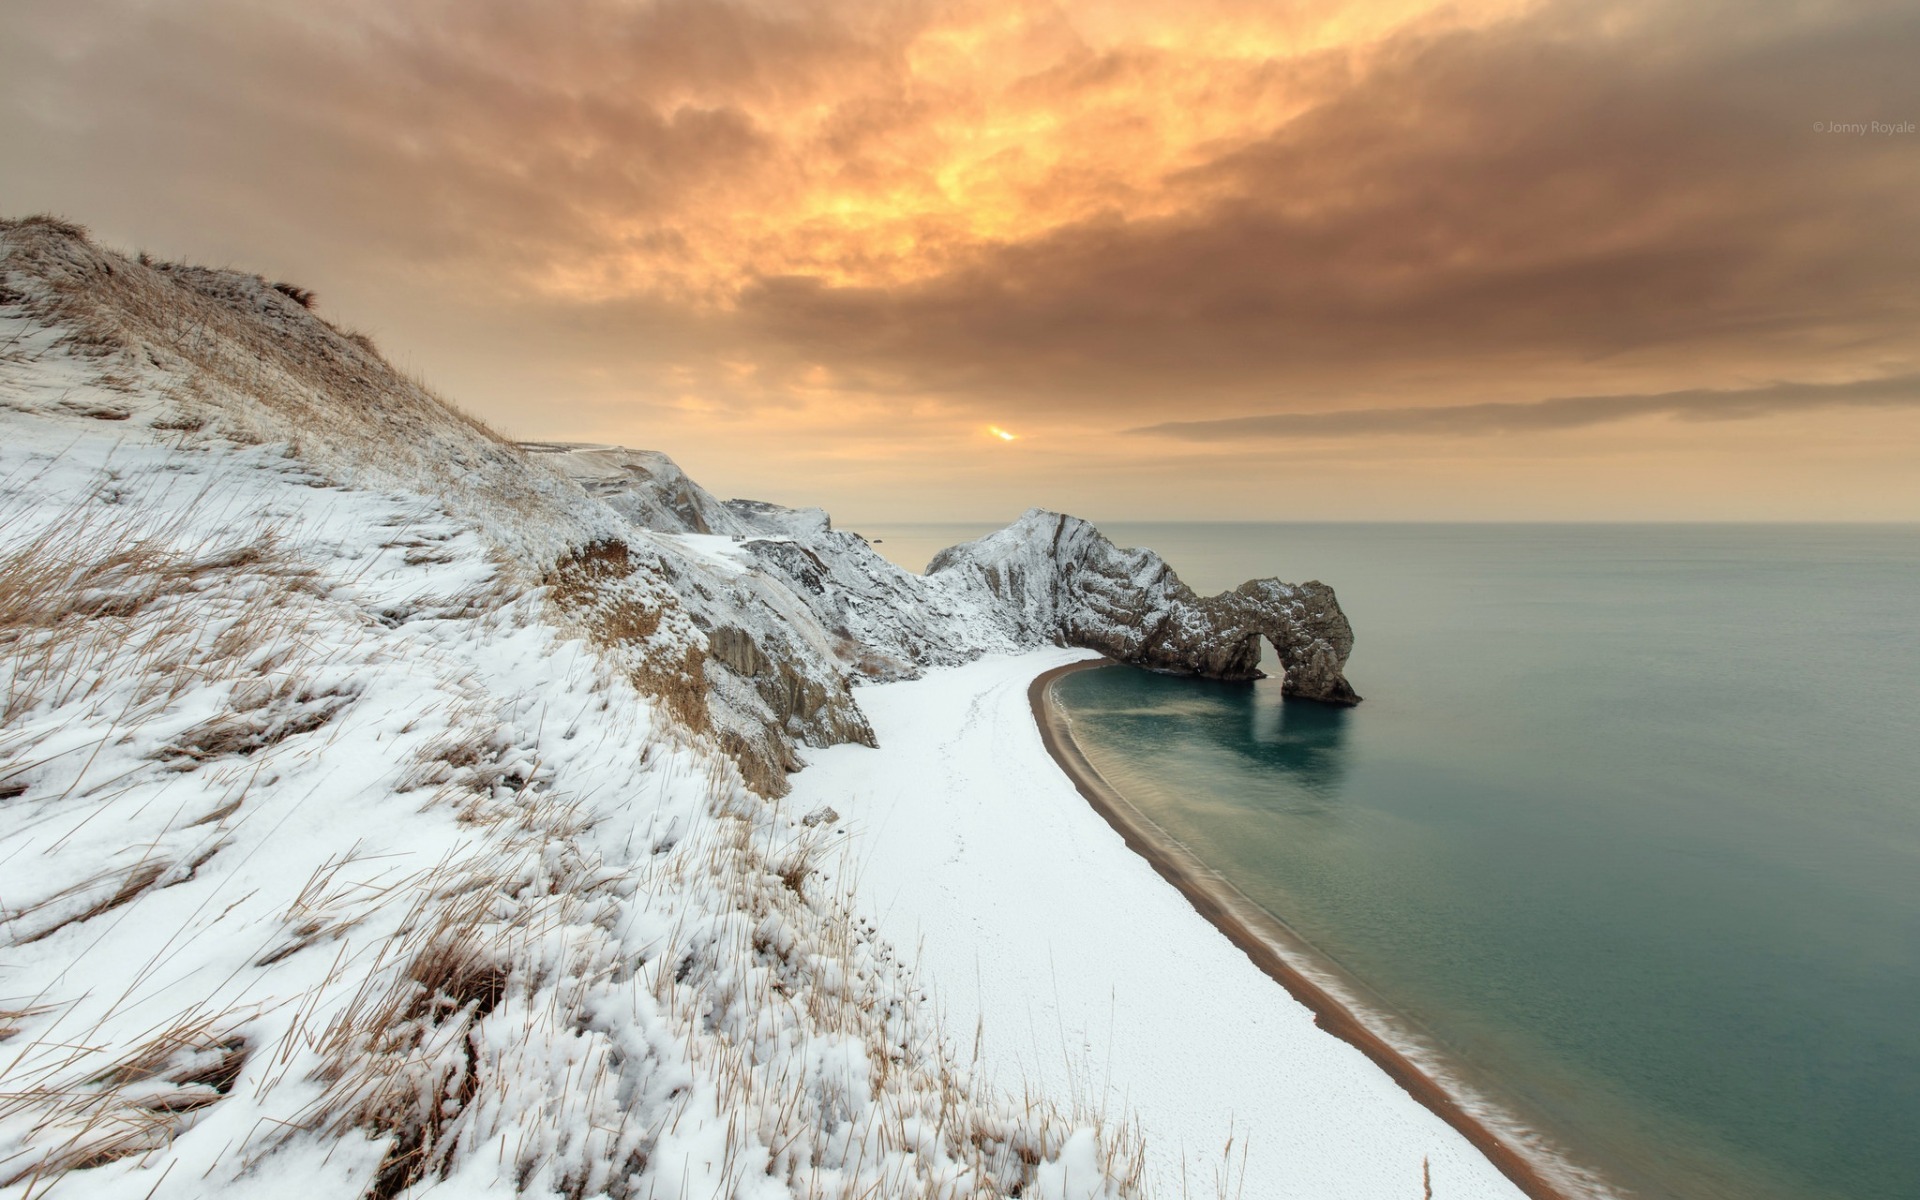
<point x="600" y="590"/>
<point x="577" y="580"/>
<point x="256" y="723"/>
<point x="304" y="297"/>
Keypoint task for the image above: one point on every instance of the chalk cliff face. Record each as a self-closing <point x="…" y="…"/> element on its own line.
<point x="1046" y="579"/>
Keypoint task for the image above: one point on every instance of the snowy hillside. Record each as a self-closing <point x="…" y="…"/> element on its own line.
<point x="382" y="809"/>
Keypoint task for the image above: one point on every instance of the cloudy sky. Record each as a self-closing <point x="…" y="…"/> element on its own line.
<point x="1249" y="259"/>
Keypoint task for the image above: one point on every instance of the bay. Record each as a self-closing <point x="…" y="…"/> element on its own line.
<point x="1628" y="823"/>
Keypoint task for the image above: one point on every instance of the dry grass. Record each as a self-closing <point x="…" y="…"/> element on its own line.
<point x="258" y="338"/>
<point x="807" y="946"/>
<point x="402" y="1063"/>
<point x="105" y="593"/>
<point x="764" y="962"/>
<point x="136" y="1106"/>
<point x="304" y="297"/>
<point x="109" y="613"/>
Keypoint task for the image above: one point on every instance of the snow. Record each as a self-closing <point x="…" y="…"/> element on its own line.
<point x="338" y="857"/>
<point x="727" y="553"/>
<point x="1088" y="974"/>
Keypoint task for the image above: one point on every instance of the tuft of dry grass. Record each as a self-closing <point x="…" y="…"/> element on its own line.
<point x="302" y="296"/>
<point x="52" y="224"/>
<point x="136" y="1106"/>
<point x="404" y="1064"/>
<point x="107" y="586"/>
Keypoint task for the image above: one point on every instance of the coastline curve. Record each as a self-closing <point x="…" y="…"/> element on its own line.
<point x="1268" y="944"/>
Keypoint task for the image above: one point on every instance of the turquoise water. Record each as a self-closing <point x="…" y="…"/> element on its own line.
<point x="1629" y="822"/>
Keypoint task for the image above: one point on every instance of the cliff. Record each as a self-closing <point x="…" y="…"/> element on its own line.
<point x="1046" y="579"/>
<point x="1043" y="580"/>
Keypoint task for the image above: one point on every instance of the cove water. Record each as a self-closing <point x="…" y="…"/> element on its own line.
<point x="1629" y="822"/>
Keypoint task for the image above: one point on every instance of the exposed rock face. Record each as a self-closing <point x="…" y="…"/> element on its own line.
<point x="762" y="673"/>
<point x="885" y="622"/>
<point x="1058" y="579"/>
<point x="727" y="650"/>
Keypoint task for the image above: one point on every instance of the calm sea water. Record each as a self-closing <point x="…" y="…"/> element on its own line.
<point x="1629" y="822"/>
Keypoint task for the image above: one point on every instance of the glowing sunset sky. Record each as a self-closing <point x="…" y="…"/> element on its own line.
<point x="1229" y="258"/>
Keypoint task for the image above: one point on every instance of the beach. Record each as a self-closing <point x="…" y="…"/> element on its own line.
<point x="1269" y="945"/>
<point x="1079" y="971"/>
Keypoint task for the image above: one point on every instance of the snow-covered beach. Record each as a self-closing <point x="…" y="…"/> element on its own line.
<point x="1087" y="974"/>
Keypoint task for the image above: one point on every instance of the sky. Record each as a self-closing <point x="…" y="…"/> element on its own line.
<point x="1216" y="259"/>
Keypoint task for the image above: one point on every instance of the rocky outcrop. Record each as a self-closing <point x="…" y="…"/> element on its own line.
<point x="1058" y="579"/>
<point x="1304" y="624"/>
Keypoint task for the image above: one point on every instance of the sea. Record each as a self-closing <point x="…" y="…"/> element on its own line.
<point x="1627" y="826"/>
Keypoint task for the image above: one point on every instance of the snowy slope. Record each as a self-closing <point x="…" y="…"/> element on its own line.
<point x="378" y="808"/>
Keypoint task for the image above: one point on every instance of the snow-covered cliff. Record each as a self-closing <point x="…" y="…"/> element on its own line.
<point x="382" y="811"/>
<point x="1046" y="579"/>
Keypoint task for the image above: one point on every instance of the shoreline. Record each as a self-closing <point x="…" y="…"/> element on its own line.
<point x="1258" y="935"/>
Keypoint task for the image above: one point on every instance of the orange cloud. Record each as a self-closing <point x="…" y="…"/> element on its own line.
<point x="838" y="238"/>
<point x="948" y="133"/>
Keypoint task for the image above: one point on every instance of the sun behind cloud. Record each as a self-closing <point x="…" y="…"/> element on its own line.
<point x="1002" y="434"/>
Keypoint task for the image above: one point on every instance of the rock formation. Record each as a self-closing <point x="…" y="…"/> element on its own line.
<point x="1058" y="579"/>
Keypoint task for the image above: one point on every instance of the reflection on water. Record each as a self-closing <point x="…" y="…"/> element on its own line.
<point x="1302" y="741"/>
<point x="1304" y="738"/>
